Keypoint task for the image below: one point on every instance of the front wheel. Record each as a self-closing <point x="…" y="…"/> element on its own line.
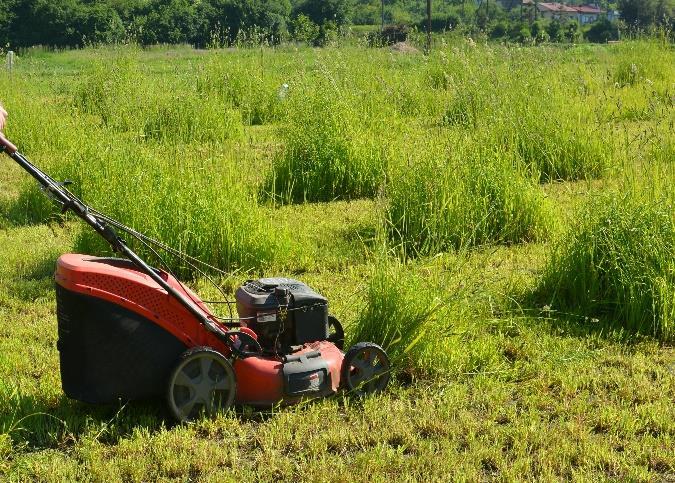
<point x="203" y="382"/>
<point x="366" y="369"/>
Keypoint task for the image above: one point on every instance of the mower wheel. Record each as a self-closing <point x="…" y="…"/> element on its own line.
<point x="336" y="333"/>
<point x="203" y="382"/>
<point x="366" y="369"/>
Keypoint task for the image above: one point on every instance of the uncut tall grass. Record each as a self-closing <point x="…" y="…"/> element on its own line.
<point x="617" y="261"/>
<point x="463" y="198"/>
<point x="153" y="160"/>
<point x="334" y="137"/>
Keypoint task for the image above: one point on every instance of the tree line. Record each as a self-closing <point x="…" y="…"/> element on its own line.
<point x="74" y="23"/>
<point x="202" y="23"/>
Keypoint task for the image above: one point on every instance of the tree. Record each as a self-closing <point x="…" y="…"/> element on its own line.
<point x="321" y="11"/>
<point x="602" y="31"/>
<point x="643" y="13"/>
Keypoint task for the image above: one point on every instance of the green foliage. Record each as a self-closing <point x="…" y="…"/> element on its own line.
<point x="399" y="314"/>
<point x="554" y="146"/>
<point x="643" y="13"/>
<point x="471" y="198"/>
<point x="303" y="29"/>
<point x="483" y="392"/>
<point x="618" y="260"/>
<point x="603" y="31"/>
<point x="256" y="94"/>
<point x="332" y="149"/>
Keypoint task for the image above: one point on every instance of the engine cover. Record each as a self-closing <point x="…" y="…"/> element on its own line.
<point x="260" y="303"/>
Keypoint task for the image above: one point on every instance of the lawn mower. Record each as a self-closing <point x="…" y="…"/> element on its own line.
<point x="129" y="331"/>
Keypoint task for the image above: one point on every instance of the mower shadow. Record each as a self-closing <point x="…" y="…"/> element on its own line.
<point x="39" y="423"/>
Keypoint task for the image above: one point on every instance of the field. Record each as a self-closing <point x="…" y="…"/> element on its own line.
<point x="500" y="218"/>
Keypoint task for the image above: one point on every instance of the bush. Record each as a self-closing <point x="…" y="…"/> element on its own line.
<point x="499" y="30"/>
<point x="602" y="31"/>
<point x="390" y="35"/>
<point x="520" y="32"/>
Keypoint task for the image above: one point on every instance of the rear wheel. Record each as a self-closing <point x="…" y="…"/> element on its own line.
<point x="336" y="333"/>
<point x="202" y="383"/>
<point x="366" y="369"/>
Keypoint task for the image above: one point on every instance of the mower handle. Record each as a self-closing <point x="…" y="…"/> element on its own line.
<point x="7" y="145"/>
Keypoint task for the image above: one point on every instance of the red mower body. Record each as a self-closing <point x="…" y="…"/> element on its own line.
<point x="120" y="335"/>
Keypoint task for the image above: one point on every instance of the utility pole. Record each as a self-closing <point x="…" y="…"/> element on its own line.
<point x="428" y="27"/>
<point x="382" y="12"/>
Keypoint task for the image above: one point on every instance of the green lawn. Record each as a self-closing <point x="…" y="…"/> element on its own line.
<point x="502" y="385"/>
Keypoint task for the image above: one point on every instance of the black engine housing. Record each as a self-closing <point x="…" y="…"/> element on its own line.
<point x="283" y="312"/>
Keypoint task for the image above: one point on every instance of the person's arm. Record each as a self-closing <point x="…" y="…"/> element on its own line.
<point x="3" y="117"/>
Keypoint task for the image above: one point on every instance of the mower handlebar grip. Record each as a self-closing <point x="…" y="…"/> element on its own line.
<point x="7" y="145"/>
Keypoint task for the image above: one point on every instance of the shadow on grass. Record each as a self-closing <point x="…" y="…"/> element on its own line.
<point x="581" y="325"/>
<point x="36" y="423"/>
<point x="30" y="208"/>
<point x="35" y="279"/>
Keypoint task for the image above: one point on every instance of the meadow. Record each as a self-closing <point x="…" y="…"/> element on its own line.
<point x="500" y="218"/>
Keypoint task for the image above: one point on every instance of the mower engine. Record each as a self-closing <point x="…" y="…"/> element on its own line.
<point x="283" y="313"/>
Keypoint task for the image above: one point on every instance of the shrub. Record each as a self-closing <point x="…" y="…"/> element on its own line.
<point x="602" y="31"/>
<point x="499" y="30"/>
<point x="391" y="34"/>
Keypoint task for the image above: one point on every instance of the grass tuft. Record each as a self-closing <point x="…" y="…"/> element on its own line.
<point x="399" y="314"/>
<point x="333" y="148"/>
<point x="618" y="262"/>
<point x="469" y="200"/>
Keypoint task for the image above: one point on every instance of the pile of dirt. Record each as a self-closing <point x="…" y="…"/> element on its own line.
<point x="404" y="47"/>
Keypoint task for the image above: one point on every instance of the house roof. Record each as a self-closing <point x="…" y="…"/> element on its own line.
<point x="588" y="9"/>
<point x="555" y="7"/>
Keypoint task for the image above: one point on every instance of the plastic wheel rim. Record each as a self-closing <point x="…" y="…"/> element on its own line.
<point x="368" y="371"/>
<point x="202" y="383"/>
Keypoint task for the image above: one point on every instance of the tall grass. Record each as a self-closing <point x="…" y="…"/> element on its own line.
<point x="399" y="314"/>
<point x="333" y="144"/>
<point x="246" y="84"/>
<point x="467" y="199"/>
<point x="195" y="205"/>
<point x="558" y="145"/>
<point x="618" y="259"/>
<point x="124" y="97"/>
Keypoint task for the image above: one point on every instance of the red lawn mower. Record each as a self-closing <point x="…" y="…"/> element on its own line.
<point x="128" y="331"/>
